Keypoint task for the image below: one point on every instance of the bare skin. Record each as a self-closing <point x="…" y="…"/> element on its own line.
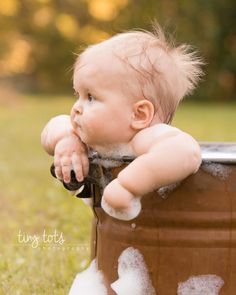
<point x="161" y="160"/>
<point x="107" y="115"/>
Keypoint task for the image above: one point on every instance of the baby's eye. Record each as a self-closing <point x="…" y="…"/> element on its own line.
<point x="90" y="97"/>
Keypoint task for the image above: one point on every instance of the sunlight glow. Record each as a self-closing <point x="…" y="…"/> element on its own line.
<point x="91" y="34"/>
<point x="9" y="7"/>
<point x="67" y="25"/>
<point x="105" y="10"/>
<point x="43" y="16"/>
<point x="17" y="60"/>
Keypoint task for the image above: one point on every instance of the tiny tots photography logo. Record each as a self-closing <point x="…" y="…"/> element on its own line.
<point x="54" y="238"/>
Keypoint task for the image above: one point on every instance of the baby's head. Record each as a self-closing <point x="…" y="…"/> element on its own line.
<point x="142" y="78"/>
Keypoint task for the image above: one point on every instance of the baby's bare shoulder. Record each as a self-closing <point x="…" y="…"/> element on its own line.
<point x="144" y="139"/>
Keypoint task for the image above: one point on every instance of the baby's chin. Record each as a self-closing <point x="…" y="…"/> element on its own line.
<point x="82" y="136"/>
<point x="111" y="150"/>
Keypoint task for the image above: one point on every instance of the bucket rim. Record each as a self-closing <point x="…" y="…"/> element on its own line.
<point x="218" y="152"/>
<point x="211" y="151"/>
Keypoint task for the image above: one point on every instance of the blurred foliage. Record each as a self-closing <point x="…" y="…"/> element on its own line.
<point x="39" y="38"/>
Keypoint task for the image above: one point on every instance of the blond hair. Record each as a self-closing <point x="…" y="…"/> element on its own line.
<point x="165" y="73"/>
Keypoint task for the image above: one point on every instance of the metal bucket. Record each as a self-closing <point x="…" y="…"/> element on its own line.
<point x="182" y="231"/>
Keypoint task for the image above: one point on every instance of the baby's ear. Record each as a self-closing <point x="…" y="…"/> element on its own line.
<point x="143" y="113"/>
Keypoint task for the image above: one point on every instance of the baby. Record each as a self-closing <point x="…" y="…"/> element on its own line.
<point x="128" y="88"/>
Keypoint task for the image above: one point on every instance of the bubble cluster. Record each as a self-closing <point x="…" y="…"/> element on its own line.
<point x="89" y="282"/>
<point x="166" y="190"/>
<point x="127" y="214"/>
<point x="217" y="170"/>
<point x="133" y="275"/>
<point x="204" y="285"/>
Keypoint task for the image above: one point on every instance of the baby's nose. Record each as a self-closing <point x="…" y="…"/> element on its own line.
<point x="77" y="107"/>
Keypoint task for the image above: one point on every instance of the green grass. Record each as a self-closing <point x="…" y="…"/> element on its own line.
<point x="31" y="200"/>
<point x="208" y="122"/>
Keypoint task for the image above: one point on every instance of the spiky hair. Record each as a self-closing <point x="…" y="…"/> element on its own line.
<point x="165" y="73"/>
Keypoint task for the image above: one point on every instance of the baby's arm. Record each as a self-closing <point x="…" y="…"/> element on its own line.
<point x="165" y="155"/>
<point x="70" y="153"/>
<point x="57" y="128"/>
<point x="161" y="161"/>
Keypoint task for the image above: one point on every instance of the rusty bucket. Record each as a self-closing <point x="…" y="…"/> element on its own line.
<point x="183" y="230"/>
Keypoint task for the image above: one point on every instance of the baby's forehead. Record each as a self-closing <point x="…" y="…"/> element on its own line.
<point x="97" y="60"/>
<point x="100" y="65"/>
<point x="131" y="43"/>
<point x="122" y="46"/>
<point x="116" y="57"/>
<point x="128" y="57"/>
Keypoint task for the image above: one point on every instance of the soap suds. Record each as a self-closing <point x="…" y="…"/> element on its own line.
<point x="201" y="285"/>
<point x="165" y="190"/>
<point x="217" y="170"/>
<point x="127" y="214"/>
<point x="133" y="275"/>
<point x="108" y="163"/>
<point x="133" y="225"/>
<point x="111" y="156"/>
<point x="89" y="282"/>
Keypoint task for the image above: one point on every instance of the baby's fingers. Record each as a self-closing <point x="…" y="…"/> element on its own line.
<point x="57" y="165"/>
<point x="58" y="173"/>
<point x="77" y="167"/>
<point x="66" y="167"/>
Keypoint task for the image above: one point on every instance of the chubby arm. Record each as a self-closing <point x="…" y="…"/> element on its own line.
<point x="164" y="160"/>
<point x="57" y="128"/>
<point x="163" y="157"/>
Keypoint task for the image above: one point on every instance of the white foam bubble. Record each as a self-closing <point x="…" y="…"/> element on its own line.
<point x="111" y="155"/>
<point x="133" y="225"/>
<point x="128" y="214"/>
<point x="217" y="170"/>
<point x="89" y="282"/>
<point x="201" y="285"/>
<point x="165" y="190"/>
<point x="133" y="275"/>
<point x="108" y="163"/>
<point x="116" y="151"/>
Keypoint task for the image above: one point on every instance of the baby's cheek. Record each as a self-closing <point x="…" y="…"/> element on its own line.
<point x="90" y="122"/>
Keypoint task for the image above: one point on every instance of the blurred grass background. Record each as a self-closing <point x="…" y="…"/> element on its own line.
<point x="31" y="200"/>
<point x="38" y="42"/>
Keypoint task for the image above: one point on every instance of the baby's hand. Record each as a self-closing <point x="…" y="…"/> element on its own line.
<point x="120" y="203"/>
<point x="71" y="154"/>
